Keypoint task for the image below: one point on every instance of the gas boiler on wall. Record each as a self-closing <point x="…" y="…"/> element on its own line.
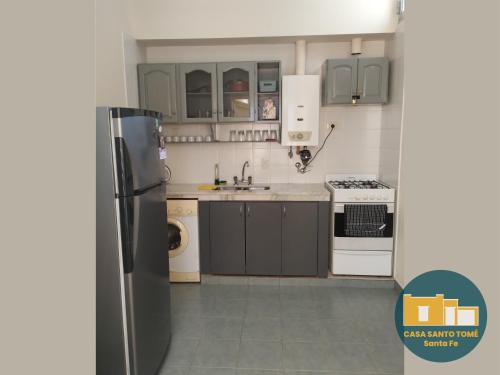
<point x="300" y="110"/>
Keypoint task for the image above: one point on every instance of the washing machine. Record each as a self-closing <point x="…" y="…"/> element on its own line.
<point x="183" y="242"/>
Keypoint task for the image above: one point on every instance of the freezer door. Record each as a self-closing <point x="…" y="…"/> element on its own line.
<point x="137" y="158"/>
<point x="147" y="282"/>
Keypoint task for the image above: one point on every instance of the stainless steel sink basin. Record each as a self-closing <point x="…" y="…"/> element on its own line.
<point x="242" y="187"/>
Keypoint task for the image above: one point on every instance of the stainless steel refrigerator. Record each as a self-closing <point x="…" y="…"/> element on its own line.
<point x="132" y="270"/>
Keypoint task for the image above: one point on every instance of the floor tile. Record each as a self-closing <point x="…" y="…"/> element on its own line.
<point x="388" y="358"/>
<point x="307" y="330"/>
<point x="296" y="293"/>
<point x="217" y="353"/>
<point x="327" y="357"/>
<point x="231" y="291"/>
<point x="187" y="326"/>
<point x="211" y="371"/>
<point x="260" y="291"/>
<point x="226" y="308"/>
<point x="174" y="371"/>
<point x="331" y="309"/>
<point x="222" y="327"/>
<point x="263" y="308"/>
<point x="242" y="371"/>
<point x="298" y="309"/>
<point x="262" y="280"/>
<point x="342" y="330"/>
<point x="192" y="306"/>
<point x="264" y="329"/>
<point x="260" y="355"/>
<point x="181" y="352"/>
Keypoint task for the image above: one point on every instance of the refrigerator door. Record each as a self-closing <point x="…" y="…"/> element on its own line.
<point x="147" y="281"/>
<point x="138" y="163"/>
<point x="112" y="353"/>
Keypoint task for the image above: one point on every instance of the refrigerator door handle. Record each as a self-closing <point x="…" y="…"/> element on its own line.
<point x="125" y="177"/>
<point x="127" y="232"/>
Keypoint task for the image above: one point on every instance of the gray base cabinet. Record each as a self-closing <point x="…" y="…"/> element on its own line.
<point x="227" y="238"/>
<point x="300" y="239"/>
<point x="263" y="238"/>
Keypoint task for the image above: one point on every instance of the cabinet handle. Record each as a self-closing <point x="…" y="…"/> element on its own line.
<point x="284" y="211"/>
<point x="241" y="210"/>
<point x="248" y="210"/>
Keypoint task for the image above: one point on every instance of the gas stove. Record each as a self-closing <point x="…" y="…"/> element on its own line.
<point x="358" y="188"/>
<point x="357" y="184"/>
<point x="362" y="253"/>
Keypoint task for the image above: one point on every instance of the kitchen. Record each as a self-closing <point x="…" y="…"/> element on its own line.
<point x="280" y="161"/>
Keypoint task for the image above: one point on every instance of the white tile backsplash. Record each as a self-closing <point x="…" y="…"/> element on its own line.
<point x="353" y="147"/>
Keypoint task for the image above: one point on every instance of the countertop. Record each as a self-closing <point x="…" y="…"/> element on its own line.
<point x="277" y="192"/>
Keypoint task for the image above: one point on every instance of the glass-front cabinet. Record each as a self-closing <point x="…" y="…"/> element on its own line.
<point x="236" y="91"/>
<point x="198" y="85"/>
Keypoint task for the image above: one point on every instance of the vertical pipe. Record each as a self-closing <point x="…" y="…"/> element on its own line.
<point x="300" y="57"/>
<point x="356" y="46"/>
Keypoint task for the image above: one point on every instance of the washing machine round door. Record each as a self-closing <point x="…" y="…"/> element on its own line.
<point x="178" y="237"/>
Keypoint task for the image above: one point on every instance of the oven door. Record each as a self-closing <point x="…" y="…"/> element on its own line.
<point x="342" y="241"/>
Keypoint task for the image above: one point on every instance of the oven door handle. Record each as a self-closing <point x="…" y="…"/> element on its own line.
<point x="339" y="207"/>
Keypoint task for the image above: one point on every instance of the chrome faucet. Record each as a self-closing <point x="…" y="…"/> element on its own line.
<point x="245" y="164"/>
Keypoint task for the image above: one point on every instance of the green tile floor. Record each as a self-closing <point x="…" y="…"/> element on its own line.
<point x="282" y="330"/>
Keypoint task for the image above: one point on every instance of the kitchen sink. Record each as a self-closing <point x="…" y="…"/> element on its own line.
<point x="242" y="187"/>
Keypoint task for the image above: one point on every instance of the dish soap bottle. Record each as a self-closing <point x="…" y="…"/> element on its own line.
<point x="216" y="179"/>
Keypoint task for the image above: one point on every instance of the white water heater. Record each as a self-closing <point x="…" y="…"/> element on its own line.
<point x="300" y="110"/>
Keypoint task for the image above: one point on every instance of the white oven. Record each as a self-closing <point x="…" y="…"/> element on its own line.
<point x="370" y="254"/>
<point x="362" y="227"/>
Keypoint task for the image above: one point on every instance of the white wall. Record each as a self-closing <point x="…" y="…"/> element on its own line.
<point x="203" y="19"/>
<point x="393" y="111"/>
<point x="117" y="54"/>
<point x="353" y="147"/>
<point x="450" y="139"/>
<point x="133" y="54"/>
<point x="390" y="136"/>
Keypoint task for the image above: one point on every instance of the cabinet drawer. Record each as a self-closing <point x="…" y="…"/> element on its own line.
<point x="369" y="263"/>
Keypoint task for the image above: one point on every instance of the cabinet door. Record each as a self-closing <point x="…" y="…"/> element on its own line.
<point x="373" y="76"/>
<point x="198" y="91"/>
<point x="341" y="81"/>
<point x="158" y="89"/>
<point x="263" y="238"/>
<point x="236" y="91"/>
<point x="300" y="239"/>
<point x="227" y="238"/>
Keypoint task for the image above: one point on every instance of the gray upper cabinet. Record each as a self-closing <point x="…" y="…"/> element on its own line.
<point x="227" y="238"/>
<point x="356" y="80"/>
<point x="373" y="76"/>
<point x="236" y="91"/>
<point x="300" y="239"/>
<point x="198" y="92"/>
<point x="340" y="81"/>
<point x="158" y="89"/>
<point x="263" y="238"/>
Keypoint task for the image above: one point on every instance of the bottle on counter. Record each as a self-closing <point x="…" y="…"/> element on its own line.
<point x="216" y="178"/>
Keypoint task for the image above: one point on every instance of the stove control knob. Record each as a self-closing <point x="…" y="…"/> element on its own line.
<point x="356" y="198"/>
<point x="365" y="198"/>
<point x="189" y="212"/>
<point x="178" y="210"/>
<point x="372" y="198"/>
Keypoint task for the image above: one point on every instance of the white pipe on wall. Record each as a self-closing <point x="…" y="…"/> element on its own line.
<point x="356" y="46"/>
<point x="300" y="57"/>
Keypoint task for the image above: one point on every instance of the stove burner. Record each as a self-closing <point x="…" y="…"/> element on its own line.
<point x="357" y="184"/>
